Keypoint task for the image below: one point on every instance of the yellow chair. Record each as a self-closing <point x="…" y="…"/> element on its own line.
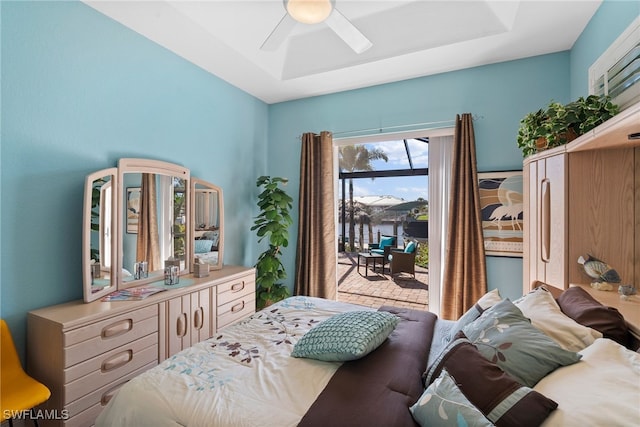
<point x="18" y="391"/>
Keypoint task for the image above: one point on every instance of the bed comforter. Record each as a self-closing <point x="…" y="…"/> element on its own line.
<point x="245" y="376"/>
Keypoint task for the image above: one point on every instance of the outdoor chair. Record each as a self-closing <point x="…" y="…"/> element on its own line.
<point x="384" y="248"/>
<point x="404" y="261"/>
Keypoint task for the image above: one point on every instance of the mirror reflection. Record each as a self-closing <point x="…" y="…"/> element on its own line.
<point x="207" y="222"/>
<point x="98" y="233"/>
<point x="155" y="229"/>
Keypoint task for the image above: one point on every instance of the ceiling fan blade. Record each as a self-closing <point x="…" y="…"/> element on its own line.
<point x="279" y="33"/>
<point x="348" y="32"/>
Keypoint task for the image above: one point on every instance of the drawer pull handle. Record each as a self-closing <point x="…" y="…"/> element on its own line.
<point x="108" y="395"/>
<point x="181" y="327"/>
<point x="236" y="287"/>
<point x="238" y="307"/>
<point x="117" y="328"/>
<point x="545" y="221"/>
<point x="117" y="361"/>
<point x="197" y="318"/>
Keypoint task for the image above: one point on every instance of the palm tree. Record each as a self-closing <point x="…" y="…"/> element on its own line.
<point x="357" y="158"/>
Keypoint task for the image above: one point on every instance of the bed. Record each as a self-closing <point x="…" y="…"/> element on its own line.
<point x="313" y="362"/>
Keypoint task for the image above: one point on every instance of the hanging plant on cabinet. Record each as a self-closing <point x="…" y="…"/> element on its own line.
<point x="560" y="124"/>
<point x="272" y="224"/>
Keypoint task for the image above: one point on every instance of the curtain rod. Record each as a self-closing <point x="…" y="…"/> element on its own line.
<point x="385" y="128"/>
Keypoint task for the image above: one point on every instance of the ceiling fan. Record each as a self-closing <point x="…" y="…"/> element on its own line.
<point x="315" y="12"/>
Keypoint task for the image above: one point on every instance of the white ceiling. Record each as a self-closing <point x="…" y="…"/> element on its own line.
<point x="411" y="38"/>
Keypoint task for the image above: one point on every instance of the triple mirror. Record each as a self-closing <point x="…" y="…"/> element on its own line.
<point x="145" y="214"/>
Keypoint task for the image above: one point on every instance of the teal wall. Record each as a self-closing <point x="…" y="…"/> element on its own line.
<point x="80" y="91"/>
<point x="498" y="94"/>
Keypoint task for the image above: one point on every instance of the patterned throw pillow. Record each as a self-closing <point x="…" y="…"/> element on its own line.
<point x="346" y="336"/>
<point x="443" y="404"/>
<point x="497" y="395"/>
<point x="507" y="338"/>
<point x="488" y="300"/>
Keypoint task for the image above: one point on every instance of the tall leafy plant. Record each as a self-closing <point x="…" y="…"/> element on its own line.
<point x="272" y="223"/>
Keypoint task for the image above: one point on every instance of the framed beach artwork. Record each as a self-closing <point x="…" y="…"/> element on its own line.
<point x="501" y="200"/>
<point x="133" y="209"/>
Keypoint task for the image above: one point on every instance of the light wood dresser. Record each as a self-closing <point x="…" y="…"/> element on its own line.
<point x="85" y="352"/>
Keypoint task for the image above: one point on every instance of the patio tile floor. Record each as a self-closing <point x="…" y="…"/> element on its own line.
<point x="377" y="289"/>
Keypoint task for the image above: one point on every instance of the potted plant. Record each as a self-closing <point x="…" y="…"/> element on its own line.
<point x="272" y="224"/>
<point x="560" y="124"/>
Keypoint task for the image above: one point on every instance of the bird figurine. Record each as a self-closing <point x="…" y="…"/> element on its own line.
<point x="600" y="271"/>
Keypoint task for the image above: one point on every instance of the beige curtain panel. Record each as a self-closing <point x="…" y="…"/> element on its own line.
<point x="148" y="242"/>
<point x="465" y="277"/>
<point x="316" y="249"/>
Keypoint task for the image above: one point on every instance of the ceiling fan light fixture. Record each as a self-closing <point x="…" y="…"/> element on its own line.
<point x="309" y="11"/>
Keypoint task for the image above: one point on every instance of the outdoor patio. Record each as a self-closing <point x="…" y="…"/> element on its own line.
<point x="377" y="289"/>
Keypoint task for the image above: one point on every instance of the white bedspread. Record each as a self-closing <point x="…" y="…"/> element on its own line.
<point x="244" y="376"/>
<point x="602" y="389"/>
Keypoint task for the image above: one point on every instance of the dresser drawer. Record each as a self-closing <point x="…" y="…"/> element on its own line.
<point x="235" y="310"/>
<point x="235" y="289"/>
<point x="108" y="367"/>
<point x="109" y="334"/>
<point x="84" y="411"/>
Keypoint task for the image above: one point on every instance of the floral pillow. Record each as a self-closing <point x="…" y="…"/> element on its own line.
<point x="488" y="300"/>
<point x="503" y="335"/>
<point x="497" y="395"/>
<point x="443" y="404"/>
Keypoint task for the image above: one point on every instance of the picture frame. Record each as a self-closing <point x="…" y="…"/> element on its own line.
<point x="501" y="204"/>
<point x="133" y="209"/>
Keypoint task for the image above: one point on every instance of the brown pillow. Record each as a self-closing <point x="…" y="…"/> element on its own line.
<point x="502" y="399"/>
<point x="576" y="303"/>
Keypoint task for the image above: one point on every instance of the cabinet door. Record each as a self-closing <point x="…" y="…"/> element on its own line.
<point x="201" y="316"/>
<point x="178" y="324"/>
<point x="554" y="221"/>
<point x="545" y="234"/>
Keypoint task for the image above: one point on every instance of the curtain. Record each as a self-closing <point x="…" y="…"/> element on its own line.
<point x="440" y="154"/>
<point x="465" y="277"/>
<point x="148" y="243"/>
<point x="316" y="250"/>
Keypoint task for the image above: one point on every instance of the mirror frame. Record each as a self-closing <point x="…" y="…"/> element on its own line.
<point x="131" y="165"/>
<point x="192" y="222"/>
<point x="118" y="221"/>
<point x="86" y="234"/>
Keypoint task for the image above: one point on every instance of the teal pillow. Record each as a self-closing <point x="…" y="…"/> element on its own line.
<point x="504" y="336"/>
<point x="346" y="336"/>
<point x="203" y="246"/>
<point x="410" y="248"/>
<point x="386" y="241"/>
<point x="444" y="404"/>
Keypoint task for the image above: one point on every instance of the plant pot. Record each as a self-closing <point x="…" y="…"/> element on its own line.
<point x="541" y="144"/>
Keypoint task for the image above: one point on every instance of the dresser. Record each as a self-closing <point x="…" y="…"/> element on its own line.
<point x="85" y="352"/>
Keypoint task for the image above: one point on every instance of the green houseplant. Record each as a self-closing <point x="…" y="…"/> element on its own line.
<point x="559" y="123"/>
<point x="272" y="224"/>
